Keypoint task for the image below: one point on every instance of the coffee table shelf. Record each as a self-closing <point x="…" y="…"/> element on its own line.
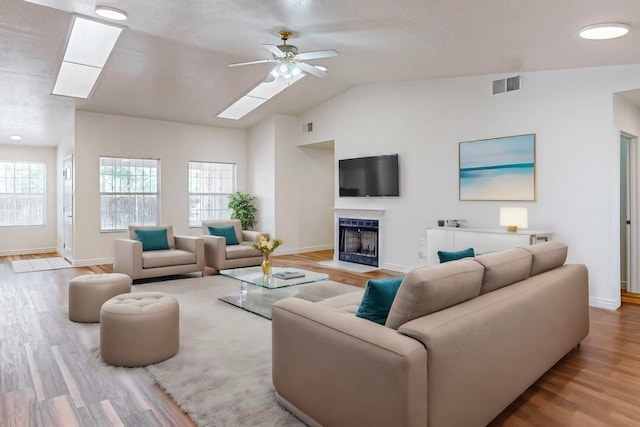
<point x="257" y="295"/>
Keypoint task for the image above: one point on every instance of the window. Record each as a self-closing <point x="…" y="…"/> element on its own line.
<point x="128" y="192"/>
<point x="22" y="193"/>
<point x="210" y="185"/>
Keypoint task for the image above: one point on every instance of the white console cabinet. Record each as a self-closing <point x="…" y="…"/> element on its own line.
<point x="481" y="240"/>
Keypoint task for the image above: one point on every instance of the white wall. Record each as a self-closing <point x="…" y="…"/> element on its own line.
<point x="316" y="180"/>
<point x="261" y="162"/>
<point x="571" y="113"/>
<point x="32" y="239"/>
<point x="175" y="144"/>
<point x="293" y="186"/>
<point x="65" y="149"/>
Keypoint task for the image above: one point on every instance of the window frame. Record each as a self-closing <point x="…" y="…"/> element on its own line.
<point x="234" y="184"/>
<point x="42" y="194"/>
<point x="135" y="194"/>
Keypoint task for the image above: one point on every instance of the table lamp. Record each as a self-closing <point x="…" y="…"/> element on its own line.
<point x="512" y="218"/>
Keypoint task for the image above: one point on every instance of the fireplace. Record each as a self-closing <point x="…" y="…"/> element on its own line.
<point x="358" y="241"/>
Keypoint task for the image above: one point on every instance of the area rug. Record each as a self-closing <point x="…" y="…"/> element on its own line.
<point x="39" y="264"/>
<point x="221" y="375"/>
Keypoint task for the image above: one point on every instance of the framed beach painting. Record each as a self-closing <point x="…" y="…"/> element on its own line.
<point x="501" y="169"/>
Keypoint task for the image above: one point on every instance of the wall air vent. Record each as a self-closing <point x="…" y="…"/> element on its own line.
<point x="307" y="127"/>
<point x="506" y="85"/>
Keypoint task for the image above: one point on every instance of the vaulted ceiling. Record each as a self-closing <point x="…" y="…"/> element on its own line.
<point x="171" y="61"/>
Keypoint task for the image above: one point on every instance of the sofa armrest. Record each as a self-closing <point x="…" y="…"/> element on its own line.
<point x="215" y="251"/>
<point x="127" y="258"/>
<point x="326" y="359"/>
<point x="250" y="236"/>
<point x="193" y="244"/>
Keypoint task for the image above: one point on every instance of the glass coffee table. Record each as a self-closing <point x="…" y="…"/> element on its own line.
<point x="257" y="295"/>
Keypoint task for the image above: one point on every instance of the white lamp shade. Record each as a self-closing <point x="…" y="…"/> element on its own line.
<point x="513" y="217"/>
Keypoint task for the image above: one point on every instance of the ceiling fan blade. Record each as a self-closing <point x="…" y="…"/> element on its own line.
<point x="270" y="77"/>
<point x="274" y="49"/>
<point x="259" y="61"/>
<point x="312" y="70"/>
<point x="304" y="56"/>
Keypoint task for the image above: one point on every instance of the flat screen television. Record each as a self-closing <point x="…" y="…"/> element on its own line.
<point x="369" y="176"/>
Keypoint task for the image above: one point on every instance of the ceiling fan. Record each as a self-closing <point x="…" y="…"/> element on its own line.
<point x="289" y="63"/>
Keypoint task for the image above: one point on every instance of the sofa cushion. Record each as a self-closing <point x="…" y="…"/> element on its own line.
<point x="170" y="238"/>
<point x="547" y="256"/>
<point x="243" y="250"/>
<point x="226" y="231"/>
<point x="446" y="256"/>
<point x="153" y="239"/>
<point x="167" y="258"/>
<point x="377" y="299"/>
<point x="345" y="303"/>
<point x="429" y="289"/>
<point x="504" y="268"/>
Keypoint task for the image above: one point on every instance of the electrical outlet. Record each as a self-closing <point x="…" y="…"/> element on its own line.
<point x="422" y="248"/>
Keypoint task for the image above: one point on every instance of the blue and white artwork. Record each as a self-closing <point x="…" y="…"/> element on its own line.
<point x="498" y="169"/>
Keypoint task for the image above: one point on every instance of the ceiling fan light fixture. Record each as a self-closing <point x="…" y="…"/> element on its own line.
<point x="111" y="13"/>
<point x="283" y="69"/>
<point x="604" y="31"/>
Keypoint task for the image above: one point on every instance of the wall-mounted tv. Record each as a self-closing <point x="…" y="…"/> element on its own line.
<point x="369" y="176"/>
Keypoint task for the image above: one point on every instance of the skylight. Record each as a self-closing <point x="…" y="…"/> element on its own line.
<point x="88" y="49"/>
<point x="256" y="97"/>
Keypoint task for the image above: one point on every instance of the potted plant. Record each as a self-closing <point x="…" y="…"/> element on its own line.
<point x="242" y="208"/>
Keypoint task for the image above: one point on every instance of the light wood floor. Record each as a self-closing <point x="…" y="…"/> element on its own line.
<point x="46" y="378"/>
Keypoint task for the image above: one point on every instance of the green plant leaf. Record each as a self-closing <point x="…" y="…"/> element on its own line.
<point x="241" y="205"/>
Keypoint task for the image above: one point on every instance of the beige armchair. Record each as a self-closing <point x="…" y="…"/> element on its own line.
<point x="185" y="254"/>
<point x="219" y="256"/>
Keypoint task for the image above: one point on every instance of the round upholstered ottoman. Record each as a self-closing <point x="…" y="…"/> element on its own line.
<point x="140" y="328"/>
<point x="87" y="294"/>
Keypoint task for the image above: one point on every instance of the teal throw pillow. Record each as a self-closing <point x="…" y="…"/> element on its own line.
<point x="153" y="239"/>
<point x="446" y="256"/>
<point x="377" y="299"/>
<point x="226" y="231"/>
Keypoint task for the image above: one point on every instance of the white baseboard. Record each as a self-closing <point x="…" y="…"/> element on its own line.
<point x="608" y="304"/>
<point x="396" y="267"/>
<point x="35" y="251"/>
<point x="90" y="262"/>
<point x="294" y="251"/>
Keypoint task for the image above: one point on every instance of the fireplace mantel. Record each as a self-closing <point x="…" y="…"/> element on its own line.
<point x="359" y="211"/>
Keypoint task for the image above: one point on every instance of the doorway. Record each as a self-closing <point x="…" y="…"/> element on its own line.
<point x="629" y="214"/>
<point x="67" y="209"/>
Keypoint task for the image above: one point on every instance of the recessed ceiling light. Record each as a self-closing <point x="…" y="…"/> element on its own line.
<point x="604" y="31"/>
<point x="111" y="13"/>
<point x="15" y="137"/>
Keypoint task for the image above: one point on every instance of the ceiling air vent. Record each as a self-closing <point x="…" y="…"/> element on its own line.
<point x="506" y="85"/>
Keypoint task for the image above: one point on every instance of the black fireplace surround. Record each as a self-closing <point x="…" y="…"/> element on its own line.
<point x="358" y="241"/>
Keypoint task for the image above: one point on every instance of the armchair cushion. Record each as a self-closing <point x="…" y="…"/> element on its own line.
<point x="167" y="258"/>
<point x="235" y="223"/>
<point x="153" y="239"/>
<point x="226" y="231"/>
<point x="242" y="251"/>
<point x="170" y="239"/>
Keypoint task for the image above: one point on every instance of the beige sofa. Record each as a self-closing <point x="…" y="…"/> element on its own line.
<point x="185" y="255"/>
<point x="220" y="256"/>
<point x="462" y="341"/>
